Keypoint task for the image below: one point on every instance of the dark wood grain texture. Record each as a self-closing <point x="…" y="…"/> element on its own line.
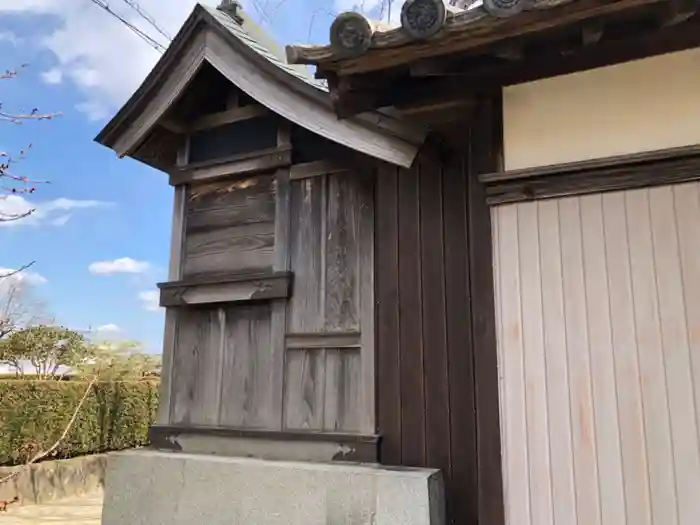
<point x="413" y="447"/>
<point x="435" y="362"/>
<point x="254" y="288"/>
<point x="231" y="203"/>
<point x="265" y="444"/>
<point x="234" y="248"/>
<point x="486" y="156"/>
<point x="462" y="488"/>
<point x="247" y="397"/>
<point x="229" y="167"/>
<point x="342" y="299"/>
<point x="304" y="389"/>
<point x="305" y="308"/>
<point x="196" y="383"/>
<point x="389" y="392"/>
<point x="613" y="174"/>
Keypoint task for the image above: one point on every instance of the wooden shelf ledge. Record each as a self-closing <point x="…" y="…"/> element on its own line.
<point x="225" y="289"/>
<point x="244" y="164"/>
<point x="266" y="444"/>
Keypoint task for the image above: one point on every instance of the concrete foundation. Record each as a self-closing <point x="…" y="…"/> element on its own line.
<point x="153" y="488"/>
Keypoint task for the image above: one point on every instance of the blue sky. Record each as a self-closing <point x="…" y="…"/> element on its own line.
<point x="100" y="233"/>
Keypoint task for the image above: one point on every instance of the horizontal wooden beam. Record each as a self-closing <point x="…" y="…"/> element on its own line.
<point x="228" y="117"/>
<point x="245" y="164"/>
<point x="317" y="168"/>
<point x="469" y="30"/>
<point x="266" y="444"/>
<point x="624" y="172"/>
<point x="225" y="289"/>
<point x="460" y="80"/>
<point x="324" y="340"/>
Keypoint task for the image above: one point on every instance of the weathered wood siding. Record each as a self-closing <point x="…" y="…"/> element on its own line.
<point x="436" y="353"/>
<point x="598" y="315"/>
<point x="305" y="363"/>
<point x="331" y="257"/>
<point x="230" y="226"/>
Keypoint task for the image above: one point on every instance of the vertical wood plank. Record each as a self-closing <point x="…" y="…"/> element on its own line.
<point x="657" y="425"/>
<point x="535" y="391"/>
<point x="342" y="391"/>
<point x="248" y="394"/>
<point x="410" y="330"/>
<point x="687" y="205"/>
<point x="341" y="253"/>
<point x="486" y="148"/>
<point x="305" y="308"/>
<point x="196" y="377"/>
<point x="513" y="366"/>
<point x="674" y="331"/>
<point x="461" y="493"/>
<point x="304" y="384"/>
<point x="368" y="404"/>
<point x="278" y="315"/>
<point x="624" y="347"/>
<point x="389" y="390"/>
<point x="555" y="346"/>
<point x="437" y="400"/>
<point x="174" y="273"/>
<point x="581" y="396"/>
<point x="605" y="398"/>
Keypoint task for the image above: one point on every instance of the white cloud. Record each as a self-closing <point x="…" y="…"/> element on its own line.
<point x="97" y="53"/>
<point x="52" y="212"/>
<point x="61" y="220"/>
<point x="150" y="300"/>
<point x="25" y="276"/>
<point x="121" y="265"/>
<point x="110" y="327"/>
<point x="7" y="36"/>
<point x="52" y="76"/>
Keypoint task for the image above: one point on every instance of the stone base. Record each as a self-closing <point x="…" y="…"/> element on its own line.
<point x="152" y="488"/>
<point x="51" y="480"/>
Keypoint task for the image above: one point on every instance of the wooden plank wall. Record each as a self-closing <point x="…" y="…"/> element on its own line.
<point x="327" y="386"/>
<point x="230" y="226"/>
<point x="305" y="363"/>
<point x="598" y="310"/>
<point x="427" y="406"/>
<point x="437" y="382"/>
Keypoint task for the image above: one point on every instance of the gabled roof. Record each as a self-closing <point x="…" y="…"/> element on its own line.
<point x="430" y="28"/>
<point x="243" y="54"/>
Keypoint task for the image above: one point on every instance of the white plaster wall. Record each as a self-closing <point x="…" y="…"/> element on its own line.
<point x="638" y="106"/>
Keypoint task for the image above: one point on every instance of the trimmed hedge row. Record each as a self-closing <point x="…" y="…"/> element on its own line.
<point x="33" y="415"/>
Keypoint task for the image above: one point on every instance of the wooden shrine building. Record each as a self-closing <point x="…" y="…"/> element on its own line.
<point x="452" y="278"/>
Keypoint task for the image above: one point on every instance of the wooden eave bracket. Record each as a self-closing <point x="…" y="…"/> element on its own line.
<point x="239" y="287"/>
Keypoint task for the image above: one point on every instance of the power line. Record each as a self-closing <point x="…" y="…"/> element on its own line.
<point x="148" y="18"/>
<point x="146" y="38"/>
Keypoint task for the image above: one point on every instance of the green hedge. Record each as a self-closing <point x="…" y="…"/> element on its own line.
<point x="33" y="414"/>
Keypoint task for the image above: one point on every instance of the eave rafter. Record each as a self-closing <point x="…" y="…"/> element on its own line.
<point x="651" y="28"/>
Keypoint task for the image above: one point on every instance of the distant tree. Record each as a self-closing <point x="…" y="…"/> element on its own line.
<point x="119" y="361"/>
<point x="18" y="307"/>
<point x="45" y="348"/>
